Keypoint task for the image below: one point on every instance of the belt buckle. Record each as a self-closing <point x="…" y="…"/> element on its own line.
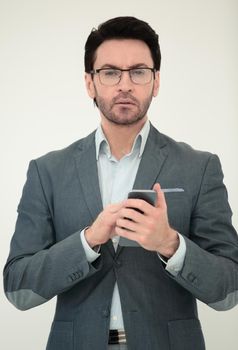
<point x="117" y="336"/>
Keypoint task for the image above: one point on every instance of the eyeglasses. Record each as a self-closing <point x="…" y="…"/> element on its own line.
<point x="111" y="76"/>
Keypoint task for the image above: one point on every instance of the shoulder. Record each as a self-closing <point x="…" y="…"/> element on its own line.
<point x="63" y="157"/>
<point x="178" y="149"/>
<point x="183" y="157"/>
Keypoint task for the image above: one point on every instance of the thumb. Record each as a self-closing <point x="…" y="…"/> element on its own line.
<point x="161" y="202"/>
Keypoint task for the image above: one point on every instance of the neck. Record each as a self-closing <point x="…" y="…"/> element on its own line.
<point x="121" y="137"/>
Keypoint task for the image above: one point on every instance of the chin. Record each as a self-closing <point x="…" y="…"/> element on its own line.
<point x="125" y="121"/>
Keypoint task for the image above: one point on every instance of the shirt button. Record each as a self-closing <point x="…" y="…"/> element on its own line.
<point x="114" y="318"/>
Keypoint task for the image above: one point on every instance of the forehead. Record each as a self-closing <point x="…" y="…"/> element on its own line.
<point x="123" y="53"/>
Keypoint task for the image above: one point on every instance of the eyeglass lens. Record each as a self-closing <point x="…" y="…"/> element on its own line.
<point x="113" y="76"/>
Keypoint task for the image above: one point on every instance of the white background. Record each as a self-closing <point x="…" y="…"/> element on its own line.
<point x="44" y="106"/>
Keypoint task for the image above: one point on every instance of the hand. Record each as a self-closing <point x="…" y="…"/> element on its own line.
<point x="103" y="228"/>
<point x="150" y="228"/>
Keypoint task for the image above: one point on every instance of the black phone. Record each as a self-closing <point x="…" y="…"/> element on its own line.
<point x="148" y="196"/>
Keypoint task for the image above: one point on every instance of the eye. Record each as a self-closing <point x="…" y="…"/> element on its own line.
<point x="138" y="72"/>
<point x="110" y="73"/>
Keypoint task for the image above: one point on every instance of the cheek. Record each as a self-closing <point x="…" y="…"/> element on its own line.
<point x="145" y="92"/>
<point x="103" y="100"/>
<point x="104" y="94"/>
<point x="146" y="97"/>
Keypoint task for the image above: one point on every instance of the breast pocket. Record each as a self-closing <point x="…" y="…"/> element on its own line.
<point x="179" y="211"/>
<point x="186" y="335"/>
<point x="61" y="336"/>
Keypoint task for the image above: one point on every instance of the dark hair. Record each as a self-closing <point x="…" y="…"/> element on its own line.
<point x="121" y="28"/>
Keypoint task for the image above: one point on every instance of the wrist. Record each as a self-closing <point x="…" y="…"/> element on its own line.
<point x="88" y="236"/>
<point x="169" y="248"/>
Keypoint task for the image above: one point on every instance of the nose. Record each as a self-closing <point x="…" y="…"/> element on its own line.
<point x="125" y="84"/>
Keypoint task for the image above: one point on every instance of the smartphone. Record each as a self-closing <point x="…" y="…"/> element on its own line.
<point x="148" y="196"/>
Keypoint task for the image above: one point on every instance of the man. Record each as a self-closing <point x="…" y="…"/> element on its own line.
<point x="126" y="274"/>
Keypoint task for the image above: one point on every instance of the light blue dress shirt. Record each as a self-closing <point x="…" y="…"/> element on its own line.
<point x="116" y="179"/>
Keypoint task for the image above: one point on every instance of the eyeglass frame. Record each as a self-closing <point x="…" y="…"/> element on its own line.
<point x="97" y="71"/>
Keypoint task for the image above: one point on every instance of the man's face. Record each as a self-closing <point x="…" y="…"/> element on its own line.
<point x="126" y="102"/>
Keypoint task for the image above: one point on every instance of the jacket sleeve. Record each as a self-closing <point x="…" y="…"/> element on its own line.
<point x="210" y="269"/>
<point x="39" y="268"/>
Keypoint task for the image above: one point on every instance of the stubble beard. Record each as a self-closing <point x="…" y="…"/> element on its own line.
<point x="124" y="115"/>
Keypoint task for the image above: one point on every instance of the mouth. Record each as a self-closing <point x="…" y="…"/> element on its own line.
<point x="125" y="102"/>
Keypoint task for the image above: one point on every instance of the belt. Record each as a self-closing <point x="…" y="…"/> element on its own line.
<point x="117" y="336"/>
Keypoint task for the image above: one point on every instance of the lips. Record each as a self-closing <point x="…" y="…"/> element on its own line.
<point x="125" y="99"/>
<point x="124" y="102"/>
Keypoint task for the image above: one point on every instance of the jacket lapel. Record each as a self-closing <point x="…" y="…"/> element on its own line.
<point x="153" y="158"/>
<point x="88" y="177"/>
<point x="88" y="174"/>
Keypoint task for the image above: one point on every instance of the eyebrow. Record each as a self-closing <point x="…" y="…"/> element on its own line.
<point x="134" y="66"/>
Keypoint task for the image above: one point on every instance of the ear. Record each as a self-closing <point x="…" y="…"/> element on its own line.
<point x="89" y="85"/>
<point x="156" y="83"/>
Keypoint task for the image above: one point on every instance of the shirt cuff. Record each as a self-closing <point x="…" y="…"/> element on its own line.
<point x="91" y="254"/>
<point x="175" y="263"/>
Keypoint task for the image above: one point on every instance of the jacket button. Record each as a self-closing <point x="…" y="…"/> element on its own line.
<point x="75" y="275"/>
<point x="71" y="278"/>
<point x="192" y="278"/>
<point x="117" y="263"/>
<point x="79" y="274"/>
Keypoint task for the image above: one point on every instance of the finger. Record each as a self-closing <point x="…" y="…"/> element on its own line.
<point x="161" y="202"/>
<point x="127" y="224"/>
<point x="131" y="214"/>
<point x="134" y="236"/>
<point x="115" y="207"/>
<point x="139" y="204"/>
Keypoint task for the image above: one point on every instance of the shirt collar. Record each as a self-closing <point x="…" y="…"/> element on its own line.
<point x="102" y="144"/>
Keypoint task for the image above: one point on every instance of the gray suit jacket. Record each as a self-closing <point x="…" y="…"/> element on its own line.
<point x="61" y="197"/>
